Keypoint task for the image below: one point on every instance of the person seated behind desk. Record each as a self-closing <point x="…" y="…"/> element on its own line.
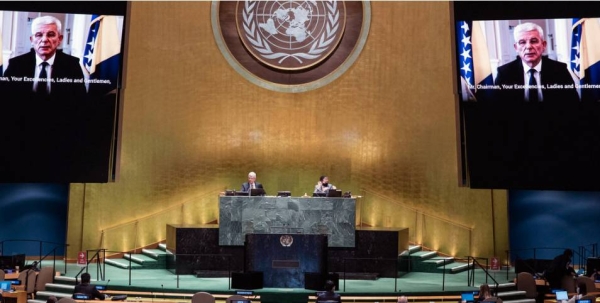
<point x="88" y="289"/>
<point x="251" y="184"/>
<point x="484" y="293"/>
<point x="323" y="185"/>
<point x="581" y="292"/>
<point x="329" y="294"/>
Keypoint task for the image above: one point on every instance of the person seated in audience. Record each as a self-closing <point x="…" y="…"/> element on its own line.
<point x="402" y="299"/>
<point x="329" y="294"/>
<point x="52" y="299"/>
<point x="595" y="275"/>
<point x="484" y="293"/>
<point x="581" y="292"/>
<point x="88" y="289"/>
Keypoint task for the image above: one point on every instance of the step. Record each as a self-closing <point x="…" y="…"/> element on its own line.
<point x="454" y="267"/>
<point x="439" y="261"/>
<point x="154" y="253"/>
<point x="60" y="287"/>
<point x="519" y="301"/>
<point x="64" y="280"/>
<point x="46" y="294"/>
<point x="424" y="255"/>
<point x="514" y="293"/>
<point x="141" y="259"/>
<point x="414" y="248"/>
<point x="211" y="273"/>
<point x="359" y="276"/>
<point x="162" y="246"/>
<point x="122" y="263"/>
<point x="502" y="287"/>
<point x="458" y="267"/>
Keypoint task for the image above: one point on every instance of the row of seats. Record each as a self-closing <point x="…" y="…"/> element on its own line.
<point x="204" y="297"/>
<point x="526" y="282"/>
<point x="33" y="281"/>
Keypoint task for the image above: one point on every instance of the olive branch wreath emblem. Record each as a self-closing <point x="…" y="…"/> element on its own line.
<point x="316" y="49"/>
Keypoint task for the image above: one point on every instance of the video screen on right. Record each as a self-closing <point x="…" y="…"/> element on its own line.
<point x="528" y="93"/>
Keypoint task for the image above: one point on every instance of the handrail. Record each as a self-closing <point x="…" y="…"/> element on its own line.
<point x="41" y="242"/>
<point x="579" y="255"/>
<point x="485" y="270"/>
<point x="53" y="263"/>
<point x="163" y="210"/>
<point x="100" y="265"/>
<point x="469" y="228"/>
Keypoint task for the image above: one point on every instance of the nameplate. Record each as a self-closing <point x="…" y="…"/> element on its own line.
<point x="285" y="264"/>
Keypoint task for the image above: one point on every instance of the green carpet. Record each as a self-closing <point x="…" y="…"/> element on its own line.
<point x="160" y="281"/>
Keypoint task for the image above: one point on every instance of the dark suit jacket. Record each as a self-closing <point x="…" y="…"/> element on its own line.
<point x="553" y="72"/>
<point x="89" y="290"/>
<point x="246" y="186"/>
<point x="65" y="66"/>
<point x="330" y="296"/>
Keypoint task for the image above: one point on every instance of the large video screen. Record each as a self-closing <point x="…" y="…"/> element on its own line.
<point x="528" y="87"/>
<point x="61" y="67"/>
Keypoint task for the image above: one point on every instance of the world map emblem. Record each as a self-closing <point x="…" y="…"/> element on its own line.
<point x="290" y="35"/>
<point x="291" y="46"/>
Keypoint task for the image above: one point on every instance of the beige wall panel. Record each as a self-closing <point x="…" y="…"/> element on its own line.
<point x="193" y="127"/>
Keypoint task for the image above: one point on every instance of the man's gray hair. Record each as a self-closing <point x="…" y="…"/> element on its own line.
<point x="46" y="20"/>
<point x="525" y="27"/>
<point x="252" y="174"/>
<point x="402" y="299"/>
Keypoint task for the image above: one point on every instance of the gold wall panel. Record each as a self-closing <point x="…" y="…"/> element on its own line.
<point x="193" y="127"/>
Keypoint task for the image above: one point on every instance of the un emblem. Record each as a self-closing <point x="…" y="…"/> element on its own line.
<point x="290" y="46"/>
<point x="291" y="35"/>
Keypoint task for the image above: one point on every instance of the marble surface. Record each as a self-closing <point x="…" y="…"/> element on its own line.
<point x="240" y="215"/>
<point x="195" y="247"/>
<point x="376" y="251"/>
<point x="283" y="263"/>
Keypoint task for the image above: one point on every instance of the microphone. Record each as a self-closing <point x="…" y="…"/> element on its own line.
<point x="106" y="288"/>
<point x="163" y="290"/>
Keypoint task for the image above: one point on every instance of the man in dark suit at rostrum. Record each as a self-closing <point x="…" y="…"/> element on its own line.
<point x="45" y="73"/>
<point x="534" y="78"/>
<point x="246" y="186"/>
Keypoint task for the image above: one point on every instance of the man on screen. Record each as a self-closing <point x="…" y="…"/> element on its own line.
<point x="532" y="77"/>
<point x="45" y="72"/>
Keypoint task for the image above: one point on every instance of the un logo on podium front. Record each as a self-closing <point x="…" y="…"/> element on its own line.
<point x="291" y="35"/>
<point x="291" y="46"/>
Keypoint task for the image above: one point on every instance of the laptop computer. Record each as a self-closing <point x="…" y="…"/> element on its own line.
<point x="284" y="193"/>
<point x="562" y="295"/>
<point x="467" y="297"/>
<point x="5" y="285"/>
<point x="257" y="192"/>
<point x="584" y="301"/>
<point x="334" y="193"/>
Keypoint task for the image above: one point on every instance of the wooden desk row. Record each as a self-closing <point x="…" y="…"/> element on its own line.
<point x="20" y="295"/>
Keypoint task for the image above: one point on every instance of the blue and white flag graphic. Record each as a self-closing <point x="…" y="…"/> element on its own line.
<point x="474" y="60"/>
<point x="102" y="54"/>
<point x="585" y="57"/>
